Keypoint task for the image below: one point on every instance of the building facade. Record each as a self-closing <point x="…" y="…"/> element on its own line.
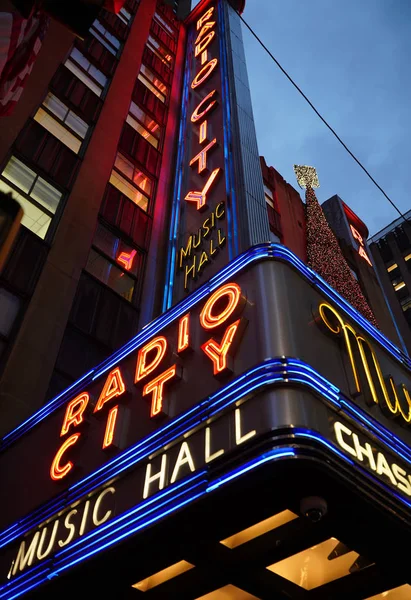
<point x="189" y="410"/>
<point x="83" y="154"/>
<point x="352" y="235"/>
<point x="391" y="251"/>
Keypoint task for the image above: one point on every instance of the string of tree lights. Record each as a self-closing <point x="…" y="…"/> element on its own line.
<point x="326" y="258"/>
<point x="335" y="134"/>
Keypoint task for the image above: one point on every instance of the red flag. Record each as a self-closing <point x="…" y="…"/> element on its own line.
<point x="20" y="43"/>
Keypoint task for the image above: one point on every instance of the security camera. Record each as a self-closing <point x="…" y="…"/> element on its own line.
<point x="314" y="508"/>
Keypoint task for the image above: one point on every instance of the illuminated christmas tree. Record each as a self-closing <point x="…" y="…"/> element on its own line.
<point x="323" y="251"/>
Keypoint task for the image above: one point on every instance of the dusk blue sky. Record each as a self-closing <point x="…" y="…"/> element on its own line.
<point x="352" y="59"/>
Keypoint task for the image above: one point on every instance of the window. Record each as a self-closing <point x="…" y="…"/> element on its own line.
<point x="75" y="93"/>
<point x="115" y="248"/>
<point x="135" y="185"/>
<point x="406" y="303"/>
<point x="274" y="218"/>
<point x="106" y="38"/>
<point x="151" y="130"/>
<point x="402" y="240"/>
<point x="114" y="23"/>
<point x="166" y="26"/>
<point x="98" y="315"/>
<point x="114" y="263"/>
<point x="157" y="87"/>
<point x="143" y="97"/>
<point x="105" y="271"/>
<point x="393" y="266"/>
<point x="52" y="157"/>
<point x="126" y="216"/>
<point x="67" y="116"/>
<point x="401" y="291"/>
<point x="385" y="251"/>
<point x="40" y="201"/>
<point x="99" y="79"/>
<point x="124" y="15"/>
<point x="398" y="285"/>
<point x="58" y="130"/>
<point x="133" y="173"/>
<point x="163" y="54"/>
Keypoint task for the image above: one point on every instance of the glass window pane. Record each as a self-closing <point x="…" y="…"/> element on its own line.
<point x="109" y="274"/>
<point x="143" y="132"/>
<point x="55" y="106"/>
<point x="83" y="77"/>
<point x="129" y="190"/>
<point x="58" y="130"/>
<point x="106" y="241"/>
<point x="17" y="172"/>
<point x="163" y="54"/>
<point x="268" y="192"/>
<point x="80" y="58"/>
<point x="33" y="217"/>
<point x="150" y="124"/>
<point x="125" y="14"/>
<point x="46" y="195"/>
<point x="124" y="165"/>
<point x="97" y="75"/>
<point x="9" y="308"/>
<point x="102" y="41"/>
<point x="163" y="23"/>
<point x="132" y="172"/>
<point x="156" y="86"/>
<point x="125" y="255"/>
<point x="76" y="124"/>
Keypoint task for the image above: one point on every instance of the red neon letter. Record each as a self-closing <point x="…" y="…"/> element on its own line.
<point x="156" y="386"/>
<point x="202" y="156"/>
<point x="200" y="198"/>
<point x="56" y="470"/>
<point x="206" y="16"/>
<point x="126" y="258"/>
<point x="204" y="73"/>
<point x="204" y="43"/>
<point x="219" y="353"/>
<point x="183" y="334"/>
<point x="113" y="387"/>
<point x="74" y="412"/>
<point x="233" y="293"/>
<point x="356" y="235"/>
<point x="199" y="115"/>
<point x="363" y="253"/>
<point x="202" y="135"/>
<point x="204" y="30"/>
<point x="110" y="427"/>
<point x="159" y="345"/>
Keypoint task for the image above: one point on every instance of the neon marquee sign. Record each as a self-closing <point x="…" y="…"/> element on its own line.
<point x="203" y="201"/>
<point x="166" y="465"/>
<point x="221" y="315"/>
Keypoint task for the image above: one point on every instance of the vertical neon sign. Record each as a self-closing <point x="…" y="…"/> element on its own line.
<point x="199" y="238"/>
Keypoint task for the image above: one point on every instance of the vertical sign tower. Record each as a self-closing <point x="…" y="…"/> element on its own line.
<point x="218" y="202"/>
